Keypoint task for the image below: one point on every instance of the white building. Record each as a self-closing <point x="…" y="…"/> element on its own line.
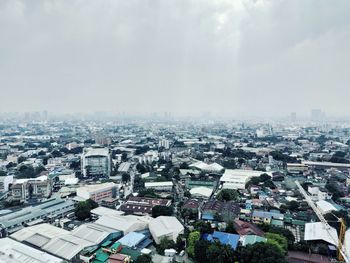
<point x="149" y="157"/>
<point x="24" y="189"/>
<point x="318" y="194"/>
<point x="165" y="227"/>
<point x="5" y="181"/>
<point x="166" y="186"/>
<point x="98" y="192"/>
<point x="164" y="143"/>
<point x="12" y="251"/>
<point x="209" y="168"/>
<point x="96" y="162"/>
<point x="201" y="192"/>
<point x="126" y="224"/>
<point x="317" y="231"/>
<point x="325" y="207"/>
<point x="237" y="178"/>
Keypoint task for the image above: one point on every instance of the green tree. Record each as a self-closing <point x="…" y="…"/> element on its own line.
<point x="277" y="240"/>
<point x="228" y="195"/>
<point x="184" y="165"/>
<point x="221" y="253"/>
<point x="203" y="227"/>
<point x="200" y="251"/>
<point x="283" y="232"/>
<point x="230" y="228"/>
<point x="187" y="194"/>
<point x="83" y="209"/>
<point x="165" y="244"/>
<point x="333" y="218"/>
<point x="144" y="259"/>
<point x="293" y="205"/>
<point x="262" y="253"/>
<point x="180" y="244"/>
<point x="125" y="177"/>
<point x="191" y="242"/>
<point x="160" y="210"/>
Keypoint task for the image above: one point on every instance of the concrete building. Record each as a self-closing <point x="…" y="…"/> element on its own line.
<point x="325" y="207"/>
<point x="166" y="186"/>
<point x="318" y="194"/>
<point x="98" y="192"/>
<point x="317" y="232"/>
<point x="149" y="157"/>
<point x="142" y="205"/>
<point x="165" y="227"/>
<point x="265" y="217"/>
<point x="5" y="182"/>
<point x="164" y="143"/>
<point x="96" y="162"/>
<point x="25" y="189"/>
<point x="46" y="211"/>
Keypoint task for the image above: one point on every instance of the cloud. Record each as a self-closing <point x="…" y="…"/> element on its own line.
<point x="233" y="57"/>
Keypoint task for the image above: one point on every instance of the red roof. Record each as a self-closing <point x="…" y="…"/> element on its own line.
<point x="244" y="228"/>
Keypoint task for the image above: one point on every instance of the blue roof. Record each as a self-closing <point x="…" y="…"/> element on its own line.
<point x="223" y="238"/>
<point x="206" y="216"/>
<point x="132" y="239"/>
<point x="145" y="243"/>
<point x="265" y="214"/>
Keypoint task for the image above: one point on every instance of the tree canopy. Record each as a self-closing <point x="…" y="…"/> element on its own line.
<point x="160" y="210"/>
<point x="278" y="240"/>
<point x="262" y="253"/>
<point x="165" y="244"/>
<point x="228" y="195"/>
<point x="144" y="259"/>
<point x="83" y="209"/>
<point x="191" y="242"/>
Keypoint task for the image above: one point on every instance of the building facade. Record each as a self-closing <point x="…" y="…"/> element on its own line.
<point x="96" y="162"/>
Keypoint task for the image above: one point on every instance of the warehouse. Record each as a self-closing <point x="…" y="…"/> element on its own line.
<point x="318" y="232"/>
<point x="126" y="224"/>
<point x="237" y="178"/>
<point x="12" y="251"/>
<point x="165" y="227"/>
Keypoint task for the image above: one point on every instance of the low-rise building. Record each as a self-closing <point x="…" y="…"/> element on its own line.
<point x="5" y="182"/>
<point x="217" y="210"/>
<point x="260" y="217"/>
<point x="318" y="193"/>
<point x="25" y="189"/>
<point x="98" y="192"/>
<point x="165" y="227"/>
<point x="166" y="186"/>
<point x="237" y="178"/>
<point x="12" y="251"/>
<point x="46" y="211"/>
<point x="142" y="205"/>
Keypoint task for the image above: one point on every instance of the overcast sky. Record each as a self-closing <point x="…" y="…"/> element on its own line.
<point x="225" y="56"/>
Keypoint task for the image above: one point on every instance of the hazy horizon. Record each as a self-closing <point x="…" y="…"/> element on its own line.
<point x="240" y="58"/>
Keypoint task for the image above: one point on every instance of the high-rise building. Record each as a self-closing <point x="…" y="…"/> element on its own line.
<point x="293" y="116"/>
<point x="164" y="143"/>
<point x="96" y="162"/>
<point x="317" y="115"/>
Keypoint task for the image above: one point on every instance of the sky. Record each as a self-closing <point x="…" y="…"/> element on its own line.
<point x="230" y="57"/>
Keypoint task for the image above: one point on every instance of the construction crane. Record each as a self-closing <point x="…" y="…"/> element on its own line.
<point x="340" y="240"/>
